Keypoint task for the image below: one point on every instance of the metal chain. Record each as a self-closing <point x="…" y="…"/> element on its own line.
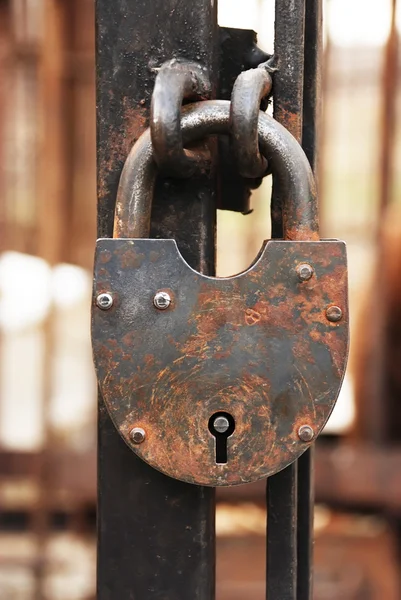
<point x="248" y="92"/>
<point x="177" y="81"/>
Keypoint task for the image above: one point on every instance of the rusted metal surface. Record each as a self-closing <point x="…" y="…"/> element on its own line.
<point x="311" y="109"/>
<point x="257" y="346"/>
<point x="132" y="45"/>
<point x="197" y="343"/>
<point x="146" y="519"/>
<point x="249" y="90"/>
<point x="176" y="81"/>
<point x="286" y="158"/>
<point x="289" y="48"/>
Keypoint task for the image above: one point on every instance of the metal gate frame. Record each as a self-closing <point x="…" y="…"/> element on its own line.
<point x="157" y="535"/>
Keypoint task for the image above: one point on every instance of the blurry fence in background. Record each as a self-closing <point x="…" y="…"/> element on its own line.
<point x="47" y="227"/>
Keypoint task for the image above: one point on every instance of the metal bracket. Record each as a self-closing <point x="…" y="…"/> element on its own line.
<point x="238" y="52"/>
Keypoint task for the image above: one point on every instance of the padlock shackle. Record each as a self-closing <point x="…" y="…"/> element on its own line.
<point x="212" y="117"/>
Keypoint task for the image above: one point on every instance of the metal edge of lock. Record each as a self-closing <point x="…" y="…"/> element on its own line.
<point x="136" y="190"/>
<point x="299" y="430"/>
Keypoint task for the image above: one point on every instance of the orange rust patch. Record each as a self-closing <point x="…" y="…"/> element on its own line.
<point x="260" y="349"/>
<point x="121" y="141"/>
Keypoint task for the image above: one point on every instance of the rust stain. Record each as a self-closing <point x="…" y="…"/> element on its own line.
<point x="135" y="120"/>
<point x="291" y="121"/>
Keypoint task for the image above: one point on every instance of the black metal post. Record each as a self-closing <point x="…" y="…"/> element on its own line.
<point x="289" y="45"/>
<point x="156" y="535"/>
<point x="296" y="101"/>
<point x="310" y="141"/>
<point x="281" y="555"/>
<point x="282" y="489"/>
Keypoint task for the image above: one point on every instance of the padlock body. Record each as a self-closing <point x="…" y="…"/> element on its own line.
<point x="258" y="346"/>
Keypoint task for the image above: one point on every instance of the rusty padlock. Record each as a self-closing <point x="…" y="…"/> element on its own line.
<point x="220" y="381"/>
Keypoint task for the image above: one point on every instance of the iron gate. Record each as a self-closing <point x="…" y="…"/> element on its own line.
<point x="156" y="534"/>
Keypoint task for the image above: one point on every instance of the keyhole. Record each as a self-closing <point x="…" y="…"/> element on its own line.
<point x="221" y="425"/>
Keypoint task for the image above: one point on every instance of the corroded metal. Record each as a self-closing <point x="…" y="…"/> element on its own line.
<point x="286" y="159"/>
<point x="172" y="523"/>
<point x="176" y="81"/>
<point x="249" y="90"/>
<point x="257" y="346"/>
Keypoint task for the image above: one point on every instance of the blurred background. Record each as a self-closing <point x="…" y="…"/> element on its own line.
<point x="47" y="233"/>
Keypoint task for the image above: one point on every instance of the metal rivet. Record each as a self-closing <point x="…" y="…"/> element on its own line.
<point x="137" y="435"/>
<point x="221" y="424"/>
<point x="305" y="433"/>
<point x="305" y="272"/>
<point x="104" y="301"/>
<point x="334" y="314"/>
<point x="162" y="300"/>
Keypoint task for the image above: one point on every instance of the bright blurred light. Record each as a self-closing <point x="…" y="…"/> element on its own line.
<point x="253" y="14"/>
<point x="70" y="285"/>
<point x="28" y="285"/>
<point x="25" y="290"/>
<point x="343" y="415"/>
<point x="350" y="22"/>
<point x="29" y="288"/>
<point x="358" y="22"/>
<point x="239" y="14"/>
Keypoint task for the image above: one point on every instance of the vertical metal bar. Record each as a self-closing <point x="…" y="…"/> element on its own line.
<point x="289" y="40"/>
<point x="310" y="138"/>
<point x="306" y="497"/>
<point x="312" y="81"/>
<point x="282" y="489"/>
<point x="281" y="554"/>
<point x="156" y="535"/>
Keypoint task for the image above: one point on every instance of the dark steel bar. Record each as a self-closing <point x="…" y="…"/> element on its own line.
<point x="310" y="141"/>
<point x="312" y="82"/>
<point x="249" y="90"/>
<point x="306" y="498"/>
<point x="282" y="489"/>
<point x="281" y="554"/>
<point x="288" y="81"/>
<point x="156" y="535"/>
